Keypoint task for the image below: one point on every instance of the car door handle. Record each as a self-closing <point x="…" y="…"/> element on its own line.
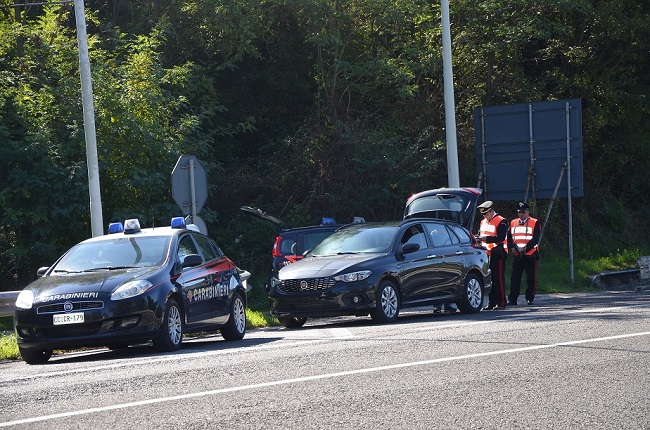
<point x="432" y="256"/>
<point x="459" y="252"/>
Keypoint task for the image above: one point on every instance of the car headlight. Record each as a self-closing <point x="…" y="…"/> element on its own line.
<point x="131" y="289"/>
<point x="354" y="276"/>
<point x="25" y="299"/>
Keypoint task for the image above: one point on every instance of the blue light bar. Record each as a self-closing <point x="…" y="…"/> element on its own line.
<point x="178" y="222"/>
<point x="328" y="221"/>
<point x="115" y="227"/>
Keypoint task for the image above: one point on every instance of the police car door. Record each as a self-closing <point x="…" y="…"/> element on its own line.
<point x="196" y="284"/>
<point x="223" y="275"/>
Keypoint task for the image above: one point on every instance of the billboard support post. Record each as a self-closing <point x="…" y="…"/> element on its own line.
<point x="568" y="162"/>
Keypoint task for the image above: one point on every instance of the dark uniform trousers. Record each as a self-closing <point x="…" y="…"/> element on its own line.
<point x="498" y="267"/>
<point x="521" y="264"/>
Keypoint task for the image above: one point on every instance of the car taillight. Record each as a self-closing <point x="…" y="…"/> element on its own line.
<point x="276" y="247"/>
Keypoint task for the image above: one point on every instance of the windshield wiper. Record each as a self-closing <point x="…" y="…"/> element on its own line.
<point x="110" y="268"/>
<point x="66" y="271"/>
<point x="348" y="253"/>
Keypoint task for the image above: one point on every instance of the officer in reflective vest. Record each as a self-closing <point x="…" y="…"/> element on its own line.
<point x="523" y="241"/>
<point x="492" y="234"/>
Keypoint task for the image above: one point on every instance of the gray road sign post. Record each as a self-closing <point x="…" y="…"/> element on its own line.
<point x="189" y="185"/>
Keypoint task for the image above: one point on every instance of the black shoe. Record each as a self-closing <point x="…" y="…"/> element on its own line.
<point x="512" y="303"/>
<point x="499" y="308"/>
<point x="530" y="302"/>
<point x="489" y="307"/>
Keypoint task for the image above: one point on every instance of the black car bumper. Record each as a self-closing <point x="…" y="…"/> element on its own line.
<point x="116" y="322"/>
<point x="355" y="298"/>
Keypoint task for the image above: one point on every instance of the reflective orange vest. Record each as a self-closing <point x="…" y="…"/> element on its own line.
<point x="489" y="228"/>
<point x="523" y="233"/>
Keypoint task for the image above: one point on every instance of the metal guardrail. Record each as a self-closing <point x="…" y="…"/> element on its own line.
<point x="7" y="301"/>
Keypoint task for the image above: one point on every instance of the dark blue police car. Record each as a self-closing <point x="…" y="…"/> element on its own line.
<point x="131" y="286"/>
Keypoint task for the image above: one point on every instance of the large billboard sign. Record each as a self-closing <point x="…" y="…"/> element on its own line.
<point x="523" y="150"/>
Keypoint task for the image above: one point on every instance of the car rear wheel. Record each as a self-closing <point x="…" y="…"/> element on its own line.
<point x="235" y="329"/>
<point x="35" y="356"/>
<point x="387" y="300"/>
<point x="292" y="322"/>
<point x="472" y="295"/>
<point x="171" y="329"/>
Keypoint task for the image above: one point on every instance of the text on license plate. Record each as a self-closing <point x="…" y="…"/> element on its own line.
<point x="74" y="318"/>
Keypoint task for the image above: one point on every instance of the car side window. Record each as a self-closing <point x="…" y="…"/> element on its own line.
<point x="439" y="235"/>
<point x="415" y="234"/>
<point x="206" y="249"/>
<point x="286" y="246"/>
<point x="186" y="247"/>
<point x="454" y="239"/>
<point x="463" y="235"/>
<point x="218" y="252"/>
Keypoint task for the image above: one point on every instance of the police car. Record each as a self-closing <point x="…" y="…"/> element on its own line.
<point x="131" y="286"/>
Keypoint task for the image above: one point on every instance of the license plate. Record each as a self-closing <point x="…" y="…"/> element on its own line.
<point x="74" y="318"/>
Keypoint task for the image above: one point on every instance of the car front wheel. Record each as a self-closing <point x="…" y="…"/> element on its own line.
<point x="472" y="295"/>
<point x="171" y="329"/>
<point x="387" y="301"/>
<point x="35" y="356"/>
<point x="235" y="328"/>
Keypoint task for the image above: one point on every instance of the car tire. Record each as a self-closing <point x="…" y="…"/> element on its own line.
<point x="387" y="303"/>
<point x="35" y="356"/>
<point x="171" y="329"/>
<point x="472" y="299"/>
<point x="235" y="328"/>
<point x="292" y="322"/>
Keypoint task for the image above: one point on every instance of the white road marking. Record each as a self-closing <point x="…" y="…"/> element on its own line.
<point x="330" y="334"/>
<point x="313" y="378"/>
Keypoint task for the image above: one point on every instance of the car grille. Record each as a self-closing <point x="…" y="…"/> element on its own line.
<point x="298" y="285"/>
<point x="72" y="330"/>
<point x="76" y="306"/>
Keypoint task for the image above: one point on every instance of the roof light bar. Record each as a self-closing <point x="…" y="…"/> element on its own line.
<point x="115" y="227"/>
<point x="178" y="222"/>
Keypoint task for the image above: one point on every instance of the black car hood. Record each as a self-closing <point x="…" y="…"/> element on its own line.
<point x="322" y="267"/>
<point x="86" y="284"/>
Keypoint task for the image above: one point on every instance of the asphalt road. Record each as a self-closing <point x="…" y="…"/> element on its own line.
<point x="569" y="362"/>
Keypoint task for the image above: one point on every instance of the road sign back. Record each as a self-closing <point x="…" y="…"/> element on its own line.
<point x="189" y="184"/>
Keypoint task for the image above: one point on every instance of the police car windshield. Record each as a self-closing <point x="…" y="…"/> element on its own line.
<point x="117" y="253"/>
<point x="357" y="239"/>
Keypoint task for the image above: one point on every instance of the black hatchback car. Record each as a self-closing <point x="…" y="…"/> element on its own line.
<point x="130" y="286"/>
<point x="291" y="243"/>
<point x="377" y="269"/>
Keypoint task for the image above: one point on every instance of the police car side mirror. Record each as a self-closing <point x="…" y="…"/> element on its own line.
<point x="41" y="271"/>
<point x="192" y="260"/>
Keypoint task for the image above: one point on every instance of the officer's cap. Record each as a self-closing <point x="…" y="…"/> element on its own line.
<point x="485" y="206"/>
<point x="522" y="206"/>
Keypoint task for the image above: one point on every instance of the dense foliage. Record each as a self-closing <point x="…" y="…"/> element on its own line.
<point x="304" y="108"/>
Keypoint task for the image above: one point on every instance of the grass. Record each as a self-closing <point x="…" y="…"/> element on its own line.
<point x="8" y="346"/>
<point x="554" y="276"/>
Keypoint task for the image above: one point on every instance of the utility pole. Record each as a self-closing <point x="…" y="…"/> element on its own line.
<point x="450" y="108"/>
<point x="96" y="221"/>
